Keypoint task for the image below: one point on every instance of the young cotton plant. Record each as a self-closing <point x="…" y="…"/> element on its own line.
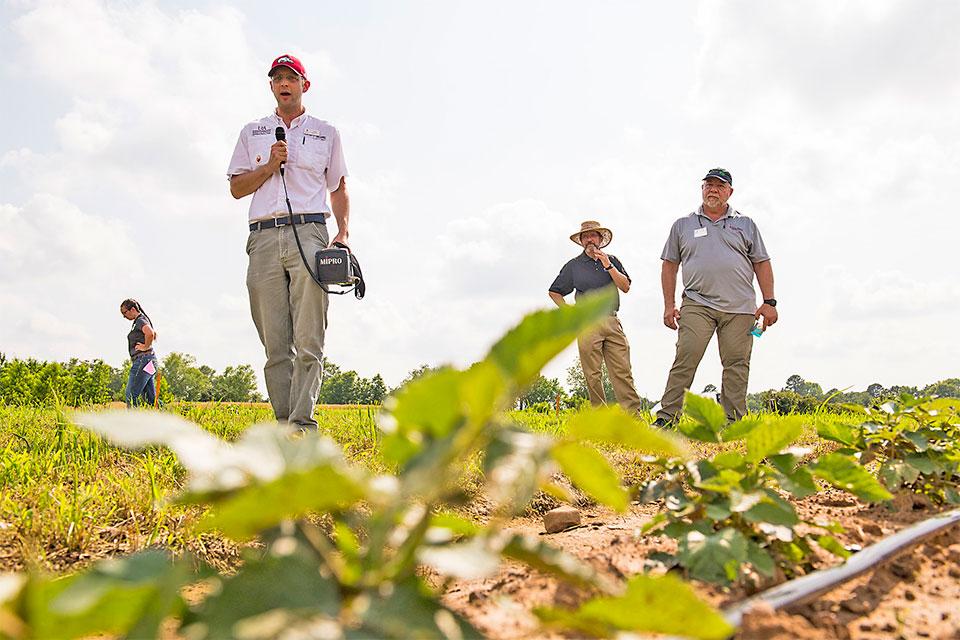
<point x="730" y="513"/>
<point x="358" y="571"/>
<point x="915" y="443"/>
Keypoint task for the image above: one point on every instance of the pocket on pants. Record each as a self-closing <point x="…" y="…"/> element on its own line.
<point x="319" y="234"/>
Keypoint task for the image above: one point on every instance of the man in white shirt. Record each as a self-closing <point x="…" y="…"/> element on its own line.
<point x="288" y="307"/>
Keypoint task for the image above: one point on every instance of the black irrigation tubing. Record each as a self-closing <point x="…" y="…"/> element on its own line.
<point x="818" y="582"/>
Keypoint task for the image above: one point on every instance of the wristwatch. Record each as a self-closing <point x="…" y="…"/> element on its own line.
<point x="608" y="268"/>
<point x="771" y="301"/>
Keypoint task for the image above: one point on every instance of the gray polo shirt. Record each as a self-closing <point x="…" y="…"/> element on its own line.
<point x="717" y="259"/>
<point x="584" y="274"/>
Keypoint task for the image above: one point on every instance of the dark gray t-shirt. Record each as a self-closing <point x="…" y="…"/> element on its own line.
<point x="136" y="336"/>
<point x="717" y="259"/>
<point x="583" y="274"/>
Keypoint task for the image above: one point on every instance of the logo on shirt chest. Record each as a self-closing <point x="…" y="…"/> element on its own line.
<point x="261" y="130"/>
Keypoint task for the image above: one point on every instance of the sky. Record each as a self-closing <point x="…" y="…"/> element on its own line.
<point x="478" y="137"/>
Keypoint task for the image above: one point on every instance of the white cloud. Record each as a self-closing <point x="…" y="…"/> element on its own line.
<point x="50" y="240"/>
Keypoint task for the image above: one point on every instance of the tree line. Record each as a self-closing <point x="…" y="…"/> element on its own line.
<point x="32" y="382"/>
<point x="803" y="396"/>
<point x="796" y="396"/>
<point x="78" y="382"/>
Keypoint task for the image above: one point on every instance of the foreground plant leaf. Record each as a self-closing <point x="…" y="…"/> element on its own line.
<point x="409" y="610"/>
<point x="120" y="596"/>
<point x="716" y="557"/>
<point x="844" y="473"/>
<point x="258" y="507"/>
<point x="272" y="593"/>
<point x="651" y="604"/>
<point x="435" y="406"/>
<point x="612" y="425"/>
<point x="707" y="414"/>
<point x="770" y="436"/>
<point x="524" y="350"/>
<point x="591" y="473"/>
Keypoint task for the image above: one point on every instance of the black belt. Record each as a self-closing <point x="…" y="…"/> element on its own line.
<point x="298" y="218"/>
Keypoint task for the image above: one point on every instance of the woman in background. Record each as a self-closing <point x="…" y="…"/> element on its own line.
<point x="141" y="385"/>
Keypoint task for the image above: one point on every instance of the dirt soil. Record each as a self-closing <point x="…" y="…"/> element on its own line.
<point x="916" y="595"/>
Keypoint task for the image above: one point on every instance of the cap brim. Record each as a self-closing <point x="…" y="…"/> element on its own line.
<point x="283" y="64"/>
<point x="713" y="175"/>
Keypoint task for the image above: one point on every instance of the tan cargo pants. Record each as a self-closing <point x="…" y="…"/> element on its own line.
<point x="607" y="343"/>
<point x="698" y="323"/>
<point x="290" y="312"/>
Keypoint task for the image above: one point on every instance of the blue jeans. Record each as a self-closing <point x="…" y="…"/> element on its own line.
<point x="141" y="386"/>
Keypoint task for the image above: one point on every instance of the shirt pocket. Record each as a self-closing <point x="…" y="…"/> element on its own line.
<point x="260" y="150"/>
<point x="314" y="154"/>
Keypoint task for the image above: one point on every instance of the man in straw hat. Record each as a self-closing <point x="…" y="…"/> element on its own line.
<point x="594" y="269"/>
<point x="721" y="251"/>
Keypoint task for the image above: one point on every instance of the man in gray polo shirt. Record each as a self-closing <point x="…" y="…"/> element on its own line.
<point x="593" y="269"/>
<point x="720" y="251"/>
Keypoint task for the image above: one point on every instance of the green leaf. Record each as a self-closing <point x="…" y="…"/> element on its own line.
<point x="799" y="482"/>
<point x="115" y="596"/>
<point x="760" y="559"/>
<point x="714" y="557"/>
<point x="525" y="349"/>
<point x="409" y="610"/>
<point x="258" y="507"/>
<point x="719" y="510"/>
<point x="773" y="512"/>
<point x="611" y="425"/>
<point x="921" y="463"/>
<point x="837" y="432"/>
<point x="772" y="435"/>
<point x="456" y="524"/>
<point x="725" y="481"/>
<point x="436" y="406"/>
<point x="918" y="439"/>
<point x="696" y="431"/>
<point x="591" y="473"/>
<point x="728" y="460"/>
<point x="705" y="412"/>
<point x="891" y="474"/>
<point x="844" y="473"/>
<point x="652" y="604"/>
<point x="739" y="429"/>
<point x="833" y="545"/>
<point x="282" y="588"/>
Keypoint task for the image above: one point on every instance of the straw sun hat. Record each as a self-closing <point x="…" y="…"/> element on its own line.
<point x="592" y="225"/>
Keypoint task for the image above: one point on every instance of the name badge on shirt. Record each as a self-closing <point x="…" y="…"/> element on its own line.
<point x="314" y="133"/>
<point x="699" y="233"/>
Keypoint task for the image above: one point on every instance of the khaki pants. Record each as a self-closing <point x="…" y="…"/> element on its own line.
<point x="608" y="344"/>
<point x="697" y="325"/>
<point x="290" y="312"/>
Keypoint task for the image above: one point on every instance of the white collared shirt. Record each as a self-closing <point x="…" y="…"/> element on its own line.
<point x="315" y="164"/>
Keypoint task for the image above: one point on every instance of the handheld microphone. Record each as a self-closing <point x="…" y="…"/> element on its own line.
<point x="281" y="137"/>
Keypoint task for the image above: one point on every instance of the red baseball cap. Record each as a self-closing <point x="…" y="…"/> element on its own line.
<point x="290" y="62"/>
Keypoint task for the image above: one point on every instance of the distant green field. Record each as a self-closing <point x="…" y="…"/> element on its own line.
<point x="67" y="497"/>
